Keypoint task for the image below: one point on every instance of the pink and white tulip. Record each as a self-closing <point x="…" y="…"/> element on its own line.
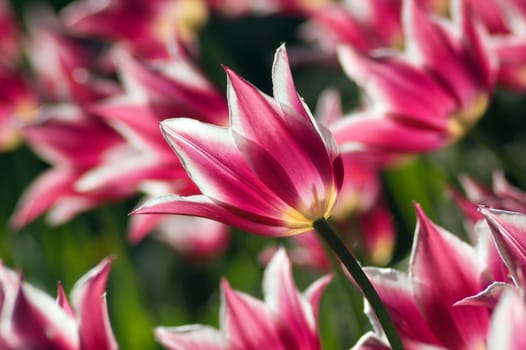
<point x="18" y="107"/>
<point x="144" y="27"/>
<point x="64" y="67"/>
<point x="10" y="36"/>
<point x="72" y="142"/>
<point x="363" y="25"/>
<point x="31" y="319"/>
<point x="273" y="172"/>
<point x="154" y="92"/>
<point x="286" y="319"/>
<point x="427" y="97"/>
<point x="443" y="270"/>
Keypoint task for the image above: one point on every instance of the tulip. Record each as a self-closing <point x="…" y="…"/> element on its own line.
<point x="31" y="319"/>
<point x="286" y="319"/>
<point x="274" y="171"/>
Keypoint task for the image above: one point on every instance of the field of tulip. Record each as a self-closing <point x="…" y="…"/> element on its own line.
<point x="249" y="174"/>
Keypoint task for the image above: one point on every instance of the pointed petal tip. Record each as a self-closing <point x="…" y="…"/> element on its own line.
<point x="225" y="286"/>
<point x="281" y="53"/>
<point x="420" y="214"/>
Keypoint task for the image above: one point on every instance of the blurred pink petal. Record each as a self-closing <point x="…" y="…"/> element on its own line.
<point x="31" y="319"/>
<point x="145" y="27"/>
<point x="18" y="107"/>
<point x="10" y="36"/>
<point x="89" y="300"/>
<point x="72" y="142"/>
<point x="195" y="337"/>
<point x="506" y="331"/>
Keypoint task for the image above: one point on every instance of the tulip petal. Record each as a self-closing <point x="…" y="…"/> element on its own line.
<point x="89" y="300"/>
<point x="297" y="326"/>
<point x="62" y="300"/>
<point x="258" y="118"/>
<point x="460" y="63"/>
<point x="313" y="294"/>
<point x="40" y="323"/>
<point x="141" y="225"/>
<point x="396" y="292"/>
<point x="240" y="310"/>
<point x="41" y="195"/>
<point x="383" y="133"/>
<point x="488" y="297"/>
<point x="509" y="233"/>
<point x="507" y="323"/>
<point x="400" y="88"/>
<point x="205" y="207"/>
<point x="191" y="337"/>
<point x="370" y="341"/>
<point x="284" y="90"/>
<point x="440" y="258"/>
<point x="216" y="166"/>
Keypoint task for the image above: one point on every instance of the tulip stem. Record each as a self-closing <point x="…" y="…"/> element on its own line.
<point x="328" y="234"/>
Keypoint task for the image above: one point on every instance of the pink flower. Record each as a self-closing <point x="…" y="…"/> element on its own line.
<point x="18" y="107"/>
<point x="273" y="172"/>
<point x="363" y="25"/>
<point x="286" y="319"/>
<point x="443" y="270"/>
<point x="505" y="21"/>
<point x="145" y="27"/>
<point x="72" y="142"/>
<point x="359" y="213"/>
<point x="153" y="92"/>
<point x="10" y="38"/>
<point x="31" y="319"/>
<point x="65" y="68"/>
<point x="502" y="195"/>
<point x="426" y="97"/>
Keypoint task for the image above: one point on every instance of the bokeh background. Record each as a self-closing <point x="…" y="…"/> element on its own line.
<point x="150" y="285"/>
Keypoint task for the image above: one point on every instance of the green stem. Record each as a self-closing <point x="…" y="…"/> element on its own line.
<point x="357" y="327"/>
<point x="331" y="238"/>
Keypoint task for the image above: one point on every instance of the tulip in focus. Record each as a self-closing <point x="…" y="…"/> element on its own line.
<point x="273" y="172"/>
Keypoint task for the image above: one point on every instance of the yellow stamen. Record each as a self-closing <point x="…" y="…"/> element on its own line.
<point x="462" y="121"/>
<point x="184" y="17"/>
<point x="382" y="251"/>
<point x="313" y="4"/>
<point x="301" y="220"/>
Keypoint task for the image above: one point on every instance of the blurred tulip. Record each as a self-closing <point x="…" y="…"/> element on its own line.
<point x="18" y="107"/>
<point x="72" y="142"/>
<point x="145" y="27"/>
<point x="31" y="319"/>
<point x="427" y="97"/>
<point x="10" y="37"/>
<point x="286" y="319"/>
